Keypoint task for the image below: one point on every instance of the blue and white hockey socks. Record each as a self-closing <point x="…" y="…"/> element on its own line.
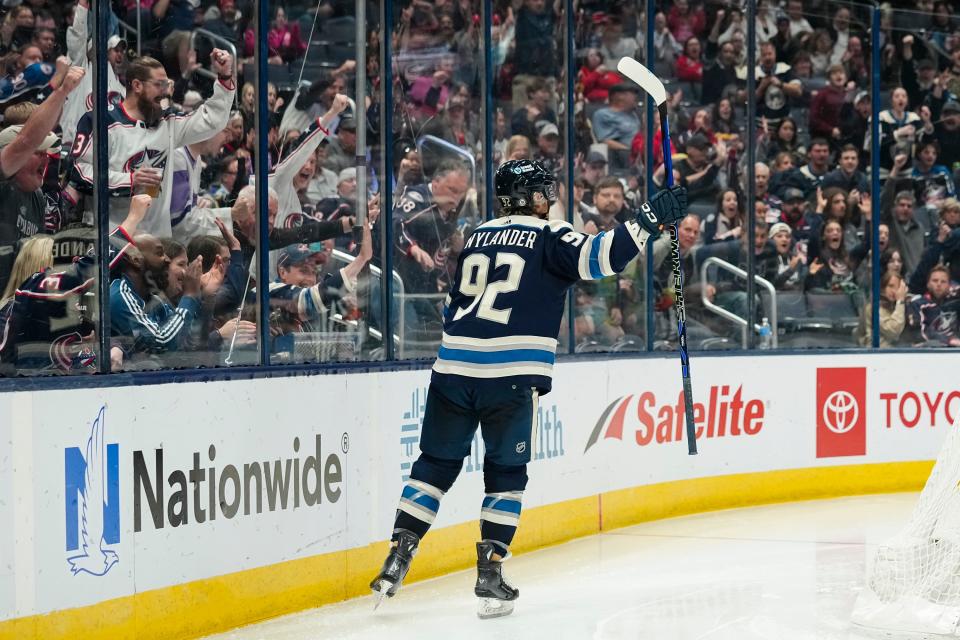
<point x="499" y="518"/>
<point x="418" y="507"/>
<point x="430" y="478"/>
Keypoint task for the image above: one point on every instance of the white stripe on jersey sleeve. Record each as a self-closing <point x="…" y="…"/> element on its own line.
<point x="584" y="263"/>
<point x="606" y="243"/>
<point x="560" y="225"/>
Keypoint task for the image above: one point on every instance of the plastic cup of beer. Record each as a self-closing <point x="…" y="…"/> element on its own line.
<point x="153" y="190"/>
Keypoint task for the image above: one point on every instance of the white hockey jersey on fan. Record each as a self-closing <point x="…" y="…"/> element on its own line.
<point x="134" y="145"/>
<point x="290" y="211"/>
<point x="914" y="582"/>
<point x="81" y="100"/>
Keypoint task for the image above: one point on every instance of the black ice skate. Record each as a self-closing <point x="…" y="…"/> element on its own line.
<point x="395" y="567"/>
<point x="496" y="595"/>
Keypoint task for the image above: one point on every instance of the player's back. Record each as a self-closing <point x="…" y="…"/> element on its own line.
<point x="504" y="310"/>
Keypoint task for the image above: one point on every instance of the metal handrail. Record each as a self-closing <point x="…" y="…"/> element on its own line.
<point x="452" y="148"/>
<point x="732" y="317"/>
<point x="346" y="258"/>
<point x="229" y="46"/>
<point x="128" y="29"/>
<point x="139" y="29"/>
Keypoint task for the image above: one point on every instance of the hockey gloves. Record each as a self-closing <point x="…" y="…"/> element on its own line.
<point x="667" y="207"/>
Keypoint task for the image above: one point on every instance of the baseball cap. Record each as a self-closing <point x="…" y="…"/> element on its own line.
<point x="952" y="106"/>
<point x="115" y="41"/>
<point x="295" y="254"/>
<point x="792" y="194"/>
<point x="595" y="157"/>
<point x="10" y="134"/>
<point x="623" y="87"/>
<point x="863" y="95"/>
<point x="698" y="141"/>
<point x="779" y="227"/>
<point x="548" y="129"/>
<point x="350" y="173"/>
<point x="348" y="123"/>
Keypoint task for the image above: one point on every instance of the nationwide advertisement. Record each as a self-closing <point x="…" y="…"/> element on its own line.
<point x="115" y="491"/>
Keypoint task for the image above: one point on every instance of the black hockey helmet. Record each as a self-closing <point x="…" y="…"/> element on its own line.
<point x="519" y="185"/>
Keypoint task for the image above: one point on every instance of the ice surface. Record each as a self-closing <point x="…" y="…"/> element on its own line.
<point x="782" y="572"/>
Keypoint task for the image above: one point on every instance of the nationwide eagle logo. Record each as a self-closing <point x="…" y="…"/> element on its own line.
<point x="92" y="488"/>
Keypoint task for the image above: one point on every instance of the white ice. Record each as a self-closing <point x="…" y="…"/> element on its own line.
<point x="782" y="572"/>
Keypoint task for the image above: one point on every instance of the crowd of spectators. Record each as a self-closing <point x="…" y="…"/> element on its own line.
<point x="813" y="206"/>
<point x="182" y="195"/>
<point x="182" y="148"/>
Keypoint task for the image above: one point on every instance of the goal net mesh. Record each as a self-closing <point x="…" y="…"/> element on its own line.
<point x="914" y="582"/>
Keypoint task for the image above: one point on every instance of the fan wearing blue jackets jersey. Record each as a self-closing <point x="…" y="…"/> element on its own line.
<point x="501" y="321"/>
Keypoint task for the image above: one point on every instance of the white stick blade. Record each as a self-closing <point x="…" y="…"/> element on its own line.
<point x="642" y="76"/>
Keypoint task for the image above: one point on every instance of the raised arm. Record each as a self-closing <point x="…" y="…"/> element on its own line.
<point x="213" y="113"/>
<point x="577" y="256"/>
<point x="40" y="123"/>
<point x="307" y="144"/>
<point x="77" y="34"/>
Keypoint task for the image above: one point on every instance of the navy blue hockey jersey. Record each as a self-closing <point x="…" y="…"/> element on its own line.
<point x="503" y="313"/>
<point x="51" y="327"/>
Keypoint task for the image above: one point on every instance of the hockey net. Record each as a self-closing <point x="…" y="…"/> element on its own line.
<point x="913" y="586"/>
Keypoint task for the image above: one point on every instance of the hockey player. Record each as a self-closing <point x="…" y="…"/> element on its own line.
<point x="501" y="322"/>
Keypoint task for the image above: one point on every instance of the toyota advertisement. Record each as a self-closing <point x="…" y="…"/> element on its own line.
<point x="841" y="412"/>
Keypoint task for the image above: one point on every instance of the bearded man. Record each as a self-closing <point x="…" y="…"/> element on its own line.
<point x="144" y="135"/>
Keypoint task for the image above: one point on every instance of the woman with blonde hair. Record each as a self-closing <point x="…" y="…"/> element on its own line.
<point x="518" y="148"/>
<point x="35" y="255"/>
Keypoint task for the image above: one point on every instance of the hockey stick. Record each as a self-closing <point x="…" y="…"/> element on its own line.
<point x="655" y="89"/>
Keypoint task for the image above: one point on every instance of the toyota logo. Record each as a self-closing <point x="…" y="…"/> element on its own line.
<point x="840" y="411"/>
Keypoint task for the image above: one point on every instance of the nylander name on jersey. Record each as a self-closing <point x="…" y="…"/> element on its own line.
<point x="503" y="313"/>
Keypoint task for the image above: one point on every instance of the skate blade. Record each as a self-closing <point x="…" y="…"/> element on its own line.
<point x="493" y="608"/>
<point x="379" y="593"/>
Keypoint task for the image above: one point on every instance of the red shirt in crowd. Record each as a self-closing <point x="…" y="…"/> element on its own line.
<point x="825" y="110"/>
<point x="689" y="70"/>
<point x="638" y="151"/>
<point x="596" y="84"/>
